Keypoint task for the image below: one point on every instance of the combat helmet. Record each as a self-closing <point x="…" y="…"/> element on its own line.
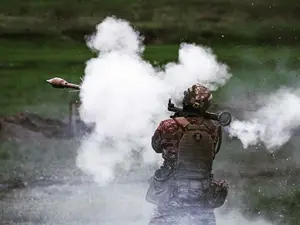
<point x="197" y="98"/>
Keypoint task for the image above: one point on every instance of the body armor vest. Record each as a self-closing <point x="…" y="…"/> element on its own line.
<point x="195" y="149"/>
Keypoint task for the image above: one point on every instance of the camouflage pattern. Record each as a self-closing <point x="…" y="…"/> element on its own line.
<point x="198" y="97"/>
<point x="188" y="203"/>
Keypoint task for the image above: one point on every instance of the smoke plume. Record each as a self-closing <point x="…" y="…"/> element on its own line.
<point x="273" y="123"/>
<point x="125" y="97"/>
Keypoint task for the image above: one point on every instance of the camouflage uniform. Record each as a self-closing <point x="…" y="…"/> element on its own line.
<point x="184" y="197"/>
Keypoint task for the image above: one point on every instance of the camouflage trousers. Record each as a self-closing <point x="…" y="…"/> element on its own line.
<point x="182" y="216"/>
<point x="185" y="204"/>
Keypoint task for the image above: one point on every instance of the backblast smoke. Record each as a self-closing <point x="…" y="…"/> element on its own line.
<point x="272" y="124"/>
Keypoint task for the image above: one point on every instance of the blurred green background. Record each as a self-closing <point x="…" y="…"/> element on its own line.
<point x="40" y="39"/>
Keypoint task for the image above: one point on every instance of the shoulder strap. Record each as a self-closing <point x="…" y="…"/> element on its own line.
<point x="183" y="122"/>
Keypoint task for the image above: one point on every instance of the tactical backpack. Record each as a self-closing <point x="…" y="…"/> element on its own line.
<point x="195" y="149"/>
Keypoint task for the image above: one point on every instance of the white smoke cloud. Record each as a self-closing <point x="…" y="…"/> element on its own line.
<point x="273" y="124"/>
<point x="116" y="35"/>
<point x="195" y="64"/>
<point x="126" y="97"/>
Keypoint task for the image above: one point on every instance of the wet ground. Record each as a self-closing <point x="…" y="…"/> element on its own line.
<point x="82" y="202"/>
<point x="85" y="204"/>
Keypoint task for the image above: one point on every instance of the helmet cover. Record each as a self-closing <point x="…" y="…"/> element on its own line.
<point x="198" y="97"/>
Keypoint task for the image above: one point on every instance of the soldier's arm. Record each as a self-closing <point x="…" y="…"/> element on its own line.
<point x="157" y="137"/>
<point x="156" y="142"/>
<point x="166" y="127"/>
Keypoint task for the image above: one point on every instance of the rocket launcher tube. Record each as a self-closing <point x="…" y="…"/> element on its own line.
<point x="224" y="118"/>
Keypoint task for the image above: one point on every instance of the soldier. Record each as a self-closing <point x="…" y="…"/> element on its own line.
<point x="183" y="188"/>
